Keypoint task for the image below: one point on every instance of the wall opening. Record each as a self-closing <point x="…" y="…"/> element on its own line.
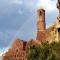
<point x="58" y="30"/>
<point x="59" y="34"/>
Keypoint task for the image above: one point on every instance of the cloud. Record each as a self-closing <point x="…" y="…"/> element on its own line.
<point x="3" y="51"/>
<point x="17" y="1"/>
<point x="14" y="13"/>
<point x="20" y="12"/>
<point x="48" y="5"/>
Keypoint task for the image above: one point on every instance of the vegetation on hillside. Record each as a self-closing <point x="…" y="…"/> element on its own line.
<point x="45" y="51"/>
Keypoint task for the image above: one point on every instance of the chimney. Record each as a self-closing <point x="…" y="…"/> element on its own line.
<point x="41" y="26"/>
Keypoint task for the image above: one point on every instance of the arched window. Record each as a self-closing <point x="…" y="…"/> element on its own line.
<point x="17" y="49"/>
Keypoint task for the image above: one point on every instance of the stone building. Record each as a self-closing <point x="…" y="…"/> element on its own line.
<point x="50" y="34"/>
<point x="17" y="52"/>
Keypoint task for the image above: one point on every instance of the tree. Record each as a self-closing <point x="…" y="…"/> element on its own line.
<point x="45" y="51"/>
<point x="33" y="52"/>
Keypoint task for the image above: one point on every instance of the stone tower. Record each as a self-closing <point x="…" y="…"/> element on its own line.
<point x="41" y="20"/>
<point x="41" y="26"/>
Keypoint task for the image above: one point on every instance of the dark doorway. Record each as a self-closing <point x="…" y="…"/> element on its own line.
<point x="58" y="30"/>
<point x="59" y="34"/>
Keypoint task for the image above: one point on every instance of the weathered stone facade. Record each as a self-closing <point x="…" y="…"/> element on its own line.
<point x="18" y="50"/>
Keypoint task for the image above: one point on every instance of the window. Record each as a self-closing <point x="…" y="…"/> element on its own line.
<point x="15" y="56"/>
<point x="40" y="12"/>
<point x="17" y="49"/>
<point x="58" y="29"/>
<point x="59" y="20"/>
